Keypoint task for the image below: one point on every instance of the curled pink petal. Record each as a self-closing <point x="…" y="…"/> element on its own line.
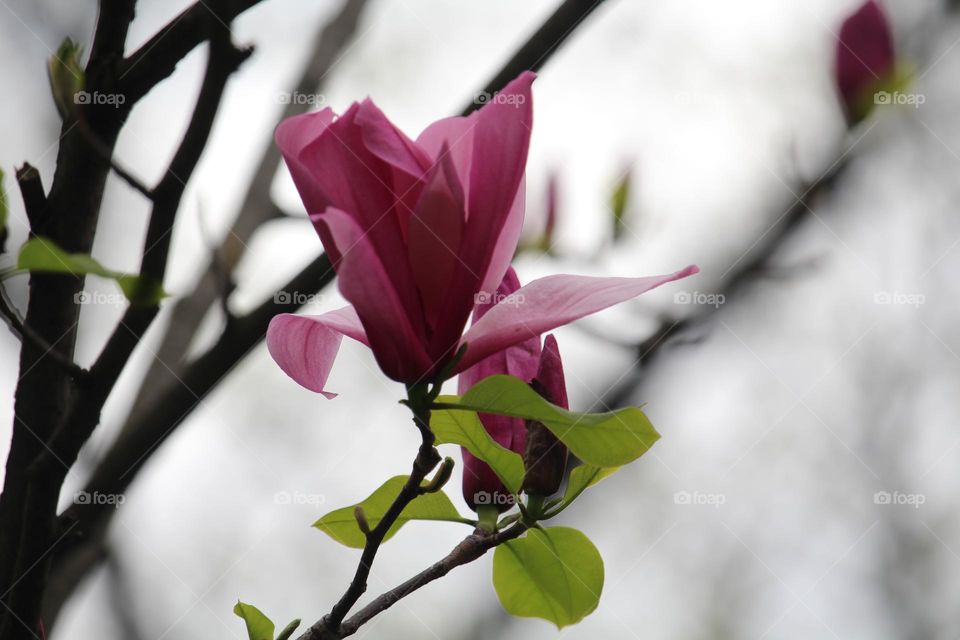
<point x="306" y="346"/>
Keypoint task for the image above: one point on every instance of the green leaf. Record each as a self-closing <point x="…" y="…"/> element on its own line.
<point x="341" y="525"/>
<point x="66" y="77"/>
<point x="259" y="626"/>
<point x="554" y="573"/>
<point x="42" y="255"/>
<point x="288" y="630"/>
<point x="609" y="439"/>
<point x="583" y="477"/>
<point x="464" y="428"/>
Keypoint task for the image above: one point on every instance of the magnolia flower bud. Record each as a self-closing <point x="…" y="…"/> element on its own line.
<point x="545" y="457"/>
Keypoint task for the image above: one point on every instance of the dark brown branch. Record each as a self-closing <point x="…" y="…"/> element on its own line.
<point x="159" y="56"/>
<point x="11" y="317"/>
<point x="133" y="448"/>
<point x="470" y="548"/>
<point x="34" y="199"/>
<point x="541" y="45"/>
<point x="427" y="458"/>
<point x="78" y="424"/>
<point x="106" y="155"/>
<point x="45" y="389"/>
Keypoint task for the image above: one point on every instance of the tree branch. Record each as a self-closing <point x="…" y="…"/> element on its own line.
<point x="10" y="315"/>
<point x="469" y="549"/>
<point x="45" y="389"/>
<point x="535" y="52"/>
<point x="159" y="56"/>
<point x="258" y="208"/>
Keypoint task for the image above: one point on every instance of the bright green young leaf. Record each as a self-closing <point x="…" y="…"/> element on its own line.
<point x="66" y="78"/>
<point x="609" y="439"/>
<point x="554" y="573"/>
<point x="288" y="630"/>
<point x="341" y="525"/>
<point x="464" y="428"/>
<point x="259" y="626"/>
<point x="583" y="477"/>
<point x="42" y="255"/>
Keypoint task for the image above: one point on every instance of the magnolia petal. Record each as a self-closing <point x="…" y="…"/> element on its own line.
<point x="501" y="139"/>
<point x="306" y="346"/>
<point x="363" y="186"/>
<point x="520" y="360"/>
<point x="292" y="136"/>
<point x="549" y="303"/>
<point x="434" y="235"/>
<point x="364" y="282"/>
<point x="388" y="143"/>
<point x="453" y="137"/>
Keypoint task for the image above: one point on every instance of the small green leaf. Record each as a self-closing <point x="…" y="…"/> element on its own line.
<point x="554" y="573"/>
<point x="259" y="626"/>
<point x="583" y="477"/>
<point x="288" y="630"/>
<point x="464" y="428"/>
<point x="341" y="525"/>
<point x="609" y="439"/>
<point x="42" y="255"/>
<point x="66" y="77"/>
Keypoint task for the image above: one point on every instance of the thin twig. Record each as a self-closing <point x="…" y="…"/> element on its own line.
<point x="427" y="458"/>
<point x="106" y="154"/>
<point x="469" y="549"/>
<point x="17" y="325"/>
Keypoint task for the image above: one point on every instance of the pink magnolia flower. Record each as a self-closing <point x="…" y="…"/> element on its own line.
<point x="865" y="58"/>
<point x="417" y="230"/>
